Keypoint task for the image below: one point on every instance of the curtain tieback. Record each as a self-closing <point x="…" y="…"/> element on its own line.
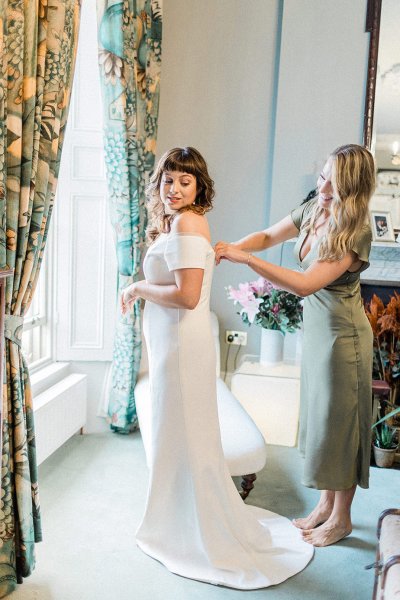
<point x="13" y="328"/>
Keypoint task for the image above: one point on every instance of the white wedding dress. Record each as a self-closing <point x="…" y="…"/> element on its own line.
<point x="195" y="522"/>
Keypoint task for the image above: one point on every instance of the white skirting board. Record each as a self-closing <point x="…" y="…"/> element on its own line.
<point x="59" y="412"/>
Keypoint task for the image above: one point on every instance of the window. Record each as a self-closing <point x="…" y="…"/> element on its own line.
<point x="77" y="285"/>
<point x="85" y="257"/>
<point x="36" y="338"/>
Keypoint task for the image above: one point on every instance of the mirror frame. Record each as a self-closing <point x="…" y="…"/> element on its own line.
<point x="372" y="26"/>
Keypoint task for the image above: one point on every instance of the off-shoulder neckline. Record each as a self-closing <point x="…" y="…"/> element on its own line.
<point x="171" y="234"/>
<point x="189" y="234"/>
<point x="183" y="234"/>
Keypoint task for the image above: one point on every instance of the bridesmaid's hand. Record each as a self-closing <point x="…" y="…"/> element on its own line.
<point x="128" y="298"/>
<point x="226" y="251"/>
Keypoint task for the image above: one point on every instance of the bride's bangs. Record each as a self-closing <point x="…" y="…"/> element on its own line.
<point x="181" y="161"/>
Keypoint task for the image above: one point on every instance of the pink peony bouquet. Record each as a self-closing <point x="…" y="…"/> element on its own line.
<point x="268" y="306"/>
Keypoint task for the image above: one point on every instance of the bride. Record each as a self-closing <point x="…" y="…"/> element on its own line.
<point x="195" y="522"/>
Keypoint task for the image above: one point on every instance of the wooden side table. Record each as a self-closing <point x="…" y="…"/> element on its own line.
<point x="380" y="391"/>
<point x="271" y="396"/>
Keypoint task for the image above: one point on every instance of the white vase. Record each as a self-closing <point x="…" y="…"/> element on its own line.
<point x="271" y="350"/>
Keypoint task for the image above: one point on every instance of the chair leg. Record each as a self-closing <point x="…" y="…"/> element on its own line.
<point x="247" y="485"/>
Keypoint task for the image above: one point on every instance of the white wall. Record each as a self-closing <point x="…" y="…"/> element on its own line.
<point x="321" y="92"/>
<point x="97" y="373"/>
<point x="217" y="92"/>
<point x="223" y="64"/>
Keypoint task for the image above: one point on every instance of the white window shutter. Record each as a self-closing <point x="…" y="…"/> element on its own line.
<point x="86" y="271"/>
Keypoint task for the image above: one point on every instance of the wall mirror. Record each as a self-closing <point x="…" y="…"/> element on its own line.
<point x="382" y="114"/>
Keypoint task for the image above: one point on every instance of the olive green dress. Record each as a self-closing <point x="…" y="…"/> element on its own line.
<point x="336" y="374"/>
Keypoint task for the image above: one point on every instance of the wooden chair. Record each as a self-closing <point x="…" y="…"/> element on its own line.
<point x="387" y="563"/>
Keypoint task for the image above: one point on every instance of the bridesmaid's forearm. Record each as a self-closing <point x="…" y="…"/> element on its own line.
<point x="255" y="242"/>
<point x="284" y="230"/>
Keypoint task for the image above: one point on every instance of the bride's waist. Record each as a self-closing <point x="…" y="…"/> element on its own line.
<point x="159" y="319"/>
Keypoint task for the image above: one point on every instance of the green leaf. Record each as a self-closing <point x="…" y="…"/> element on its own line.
<point x="386" y="417"/>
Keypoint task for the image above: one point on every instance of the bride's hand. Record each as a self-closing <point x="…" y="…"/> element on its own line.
<point x="128" y="298"/>
<point x="226" y="251"/>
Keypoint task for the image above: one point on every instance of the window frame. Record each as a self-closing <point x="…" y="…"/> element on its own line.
<point x="44" y="323"/>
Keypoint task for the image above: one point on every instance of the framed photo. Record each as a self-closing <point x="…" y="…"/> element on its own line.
<point x="387" y="203"/>
<point x="382" y="228"/>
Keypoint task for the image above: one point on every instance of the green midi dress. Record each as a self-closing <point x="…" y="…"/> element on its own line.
<point x="336" y="374"/>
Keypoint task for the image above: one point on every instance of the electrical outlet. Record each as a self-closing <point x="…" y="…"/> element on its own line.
<point x="236" y="338"/>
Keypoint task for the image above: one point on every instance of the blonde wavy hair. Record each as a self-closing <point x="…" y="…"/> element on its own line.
<point x="353" y="182"/>
<point x="185" y="160"/>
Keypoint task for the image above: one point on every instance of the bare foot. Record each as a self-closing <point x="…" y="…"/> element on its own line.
<point x="320" y="514"/>
<point x="328" y="533"/>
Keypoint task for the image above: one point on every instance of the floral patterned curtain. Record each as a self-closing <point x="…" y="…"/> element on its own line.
<point x="130" y="62"/>
<point x="38" y="40"/>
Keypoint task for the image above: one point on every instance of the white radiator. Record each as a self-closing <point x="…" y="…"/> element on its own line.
<point x="59" y="412"/>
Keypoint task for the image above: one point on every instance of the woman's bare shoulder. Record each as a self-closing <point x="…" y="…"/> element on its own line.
<point x="190" y="222"/>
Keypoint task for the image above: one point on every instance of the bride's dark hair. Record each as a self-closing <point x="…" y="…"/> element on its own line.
<point x="185" y="160"/>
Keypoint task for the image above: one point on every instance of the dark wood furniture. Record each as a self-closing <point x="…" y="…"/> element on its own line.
<point x="380" y="391"/>
<point x="247" y="484"/>
<point x="372" y="26"/>
<point x="387" y="562"/>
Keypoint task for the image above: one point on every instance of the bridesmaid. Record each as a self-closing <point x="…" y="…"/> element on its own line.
<point x="332" y="249"/>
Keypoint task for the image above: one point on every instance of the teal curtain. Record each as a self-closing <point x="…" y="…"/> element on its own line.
<point x="38" y="42"/>
<point x="129" y="35"/>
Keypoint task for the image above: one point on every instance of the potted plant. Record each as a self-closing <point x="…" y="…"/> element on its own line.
<point x="278" y="312"/>
<point x="385" y="443"/>
<point x="385" y="324"/>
